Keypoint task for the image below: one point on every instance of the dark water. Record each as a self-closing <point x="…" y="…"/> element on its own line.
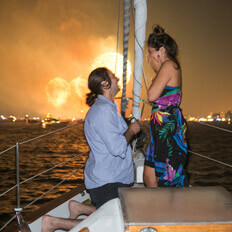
<point x="213" y="143"/>
<point x="40" y="155"/>
<point x="36" y="157"/>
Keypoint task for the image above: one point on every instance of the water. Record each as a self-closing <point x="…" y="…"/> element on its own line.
<point x="36" y="157"/>
<point x="49" y="151"/>
<point x="213" y="143"/>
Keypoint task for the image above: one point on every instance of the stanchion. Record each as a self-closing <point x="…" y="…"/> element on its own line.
<point x="23" y="226"/>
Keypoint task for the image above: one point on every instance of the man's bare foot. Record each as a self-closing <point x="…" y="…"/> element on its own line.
<point x="47" y="223"/>
<point x="76" y="209"/>
<point x="50" y="224"/>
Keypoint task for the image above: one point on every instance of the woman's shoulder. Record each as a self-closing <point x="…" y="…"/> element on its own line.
<point x="170" y="65"/>
<point x="171" y="70"/>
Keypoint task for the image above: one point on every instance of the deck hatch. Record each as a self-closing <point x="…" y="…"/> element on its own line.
<point x="176" y="206"/>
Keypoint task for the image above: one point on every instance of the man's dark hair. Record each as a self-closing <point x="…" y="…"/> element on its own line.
<point x="94" y="83"/>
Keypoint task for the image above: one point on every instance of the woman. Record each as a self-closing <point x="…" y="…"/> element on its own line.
<point x="167" y="152"/>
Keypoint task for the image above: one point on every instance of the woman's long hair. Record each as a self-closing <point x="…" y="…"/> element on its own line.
<point x="94" y="83"/>
<point x="159" y="38"/>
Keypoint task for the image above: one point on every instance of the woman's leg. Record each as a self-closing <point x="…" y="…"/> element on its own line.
<point x="149" y="177"/>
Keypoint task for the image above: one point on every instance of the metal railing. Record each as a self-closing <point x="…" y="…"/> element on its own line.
<point x="18" y="209"/>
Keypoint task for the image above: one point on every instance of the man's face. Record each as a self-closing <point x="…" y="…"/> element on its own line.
<point x="114" y="84"/>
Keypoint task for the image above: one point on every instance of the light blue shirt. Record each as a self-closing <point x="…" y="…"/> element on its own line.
<point x="110" y="158"/>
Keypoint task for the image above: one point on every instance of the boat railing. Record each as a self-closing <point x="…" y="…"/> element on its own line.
<point x="206" y="157"/>
<point x="18" y="209"/>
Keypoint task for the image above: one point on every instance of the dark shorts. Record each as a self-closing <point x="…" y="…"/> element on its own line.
<point x="107" y="192"/>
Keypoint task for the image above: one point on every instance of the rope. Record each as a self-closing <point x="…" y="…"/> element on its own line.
<point x="41" y="136"/>
<point x="228" y="165"/>
<point x="8" y="190"/>
<point x="7" y="149"/>
<point x="214" y="126"/>
<point x="217" y="161"/>
<point x="52" y="168"/>
<point x="7" y="223"/>
<point x="118" y="32"/>
<point x="22" y="182"/>
<point x="52" y="188"/>
<point x="126" y="32"/>
<point x="27" y="141"/>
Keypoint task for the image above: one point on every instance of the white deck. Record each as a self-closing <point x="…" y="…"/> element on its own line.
<point x="107" y="218"/>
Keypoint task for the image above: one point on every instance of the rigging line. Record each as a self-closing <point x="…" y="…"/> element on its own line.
<point x="52" y="168"/>
<point x="214" y="126"/>
<point x="145" y="80"/>
<point x="7" y="190"/>
<point x="22" y="182"/>
<point x="211" y="159"/>
<point x="8" y="222"/>
<point x="7" y="149"/>
<point x="40" y="137"/>
<point x="126" y="33"/>
<point x="52" y="132"/>
<point x="118" y="33"/>
<point x="52" y="188"/>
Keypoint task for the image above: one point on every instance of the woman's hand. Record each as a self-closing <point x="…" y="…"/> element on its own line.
<point x="154" y="64"/>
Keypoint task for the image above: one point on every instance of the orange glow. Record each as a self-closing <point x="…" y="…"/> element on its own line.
<point x="57" y="91"/>
<point x="79" y="87"/>
<point x="61" y="93"/>
<point x="108" y="60"/>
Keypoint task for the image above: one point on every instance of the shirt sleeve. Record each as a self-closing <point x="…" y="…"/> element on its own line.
<point x="108" y="126"/>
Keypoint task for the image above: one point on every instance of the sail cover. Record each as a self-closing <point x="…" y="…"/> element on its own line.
<point x="140" y="7"/>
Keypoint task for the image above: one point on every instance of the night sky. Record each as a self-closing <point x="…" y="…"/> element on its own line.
<point x="48" y="48"/>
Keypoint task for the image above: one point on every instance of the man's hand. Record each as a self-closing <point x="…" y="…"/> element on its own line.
<point x="134" y="127"/>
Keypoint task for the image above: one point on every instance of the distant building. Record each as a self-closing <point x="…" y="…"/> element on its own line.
<point x="228" y="115"/>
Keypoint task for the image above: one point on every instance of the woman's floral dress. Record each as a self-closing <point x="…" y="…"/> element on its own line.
<point x="167" y="151"/>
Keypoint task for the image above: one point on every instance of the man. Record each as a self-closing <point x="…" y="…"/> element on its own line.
<point x="109" y="165"/>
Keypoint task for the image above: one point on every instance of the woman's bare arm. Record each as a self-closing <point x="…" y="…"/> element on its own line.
<point x="165" y="74"/>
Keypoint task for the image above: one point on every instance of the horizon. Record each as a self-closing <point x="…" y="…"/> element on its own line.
<point x="44" y="115"/>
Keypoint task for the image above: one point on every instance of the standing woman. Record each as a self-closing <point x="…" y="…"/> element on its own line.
<point x="166" y="154"/>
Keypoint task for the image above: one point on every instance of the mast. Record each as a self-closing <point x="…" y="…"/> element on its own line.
<point x="140" y="15"/>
